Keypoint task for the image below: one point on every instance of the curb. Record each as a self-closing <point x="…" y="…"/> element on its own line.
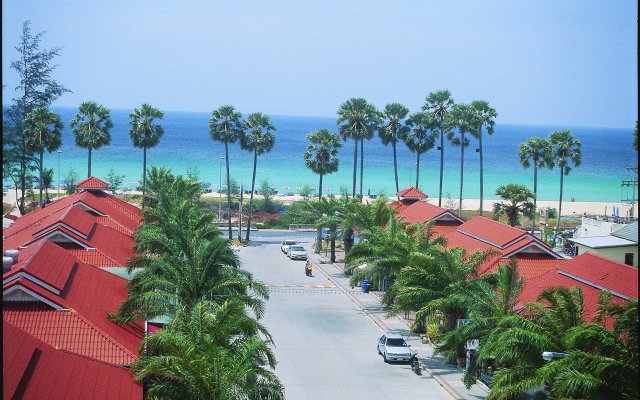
<point x="441" y="381"/>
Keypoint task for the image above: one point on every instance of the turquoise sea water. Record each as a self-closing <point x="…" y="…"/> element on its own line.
<point x="606" y="153"/>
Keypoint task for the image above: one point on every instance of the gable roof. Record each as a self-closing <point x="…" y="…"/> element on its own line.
<point x="601" y="272"/>
<point x="628" y="232"/>
<point x="493" y="232"/>
<point x="92" y="183"/>
<point x="412" y="193"/>
<point x="32" y="369"/>
<point x="421" y="211"/>
<point x="87" y="290"/>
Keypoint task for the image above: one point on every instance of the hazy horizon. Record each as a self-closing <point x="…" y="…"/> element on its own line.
<point x="572" y="63"/>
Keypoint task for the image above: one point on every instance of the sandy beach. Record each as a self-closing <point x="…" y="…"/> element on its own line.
<point x="576" y="208"/>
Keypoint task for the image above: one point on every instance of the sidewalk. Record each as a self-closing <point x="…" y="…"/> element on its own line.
<point x="448" y="376"/>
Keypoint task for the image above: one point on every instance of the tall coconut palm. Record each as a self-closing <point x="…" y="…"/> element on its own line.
<point x="321" y="156"/>
<point x="43" y="131"/>
<point x="145" y="134"/>
<point x="566" y="151"/>
<point x="420" y="137"/>
<point x="225" y="126"/>
<point x="539" y="152"/>
<point x="439" y="104"/>
<point x="460" y="118"/>
<point x="518" y="199"/>
<point x="91" y="127"/>
<point x="485" y="116"/>
<point x="260" y="140"/>
<point x="357" y="120"/>
<point x="393" y="130"/>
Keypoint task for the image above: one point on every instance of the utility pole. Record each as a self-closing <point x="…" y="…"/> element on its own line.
<point x="633" y="182"/>
<point x="220" y="188"/>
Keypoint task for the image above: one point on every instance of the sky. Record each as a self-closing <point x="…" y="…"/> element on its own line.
<point x="544" y="62"/>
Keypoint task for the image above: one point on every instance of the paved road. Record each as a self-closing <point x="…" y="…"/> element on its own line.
<point x="324" y="343"/>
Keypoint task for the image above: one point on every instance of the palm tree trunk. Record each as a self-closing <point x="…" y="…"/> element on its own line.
<point x="481" y="173"/>
<point x="441" y="164"/>
<point x="320" y="188"/>
<point x="395" y="166"/>
<point x="535" y="198"/>
<point x="555" y="235"/>
<point x="89" y="170"/>
<point x="361" y="162"/>
<point x="226" y="154"/>
<point x="461" y="173"/>
<point x="333" y="245"/>
<point x="144" y="173"/>
<point x="417" y="168"/>
<point x="355" y="167"/>
<point x="253" y="181"/>
<point x="41" y="157"/>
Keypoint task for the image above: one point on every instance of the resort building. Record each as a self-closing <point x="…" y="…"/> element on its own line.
<point x="413" y="208"/>
<point x="592" y="274"/>
<point x="621" y="245"/>
<point x="60" y="281"/>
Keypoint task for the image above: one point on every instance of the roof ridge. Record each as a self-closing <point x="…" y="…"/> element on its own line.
<point x="605" y="259"/>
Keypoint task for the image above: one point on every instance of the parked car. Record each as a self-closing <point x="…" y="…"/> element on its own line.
<point x="296" y="252"/>
<point x="285" y="245"/>
<point x="392" y="347"/>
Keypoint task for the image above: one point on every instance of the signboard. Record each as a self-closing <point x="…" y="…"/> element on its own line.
<point x="471" y="344"/>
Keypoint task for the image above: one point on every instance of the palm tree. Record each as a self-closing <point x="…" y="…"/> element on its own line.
<point x="321" y="156"/>
<point x="438" y="104"/>
<point x="485" y="116"/>
<point x="91" y="127"/>
<point x="393" y="129"/>
<point x="145" y="134"/>
<point x="519" y="198"/>
<point x="566" y="150"/>
<point x="47" y="181"/>
<point x="420" y="137"/>
<point x="357" y="120"/>
<point x="211" y="352"/>
<point x="491" y="298"/>
<point x="225" y="126"/>
<point x="461" y="118"/>
<point x="43" y="131"/>
<point x="540" y="152"/>
<point x="260" y="140"/>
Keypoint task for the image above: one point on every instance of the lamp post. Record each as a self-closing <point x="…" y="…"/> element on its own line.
<point x="59" y="152"/>
<point x="552" y="355"/>
<point x="220" y="188"/>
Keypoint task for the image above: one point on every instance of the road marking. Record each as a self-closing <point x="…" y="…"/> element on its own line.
<point x="303" y="286"/>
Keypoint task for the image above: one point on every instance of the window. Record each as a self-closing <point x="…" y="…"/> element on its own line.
<point x="628" y="258"/>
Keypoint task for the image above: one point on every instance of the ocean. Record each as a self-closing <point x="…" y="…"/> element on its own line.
<point x="186" y="145"/>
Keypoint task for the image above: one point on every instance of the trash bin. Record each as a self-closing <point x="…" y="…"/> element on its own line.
<point x="365" y="285"/>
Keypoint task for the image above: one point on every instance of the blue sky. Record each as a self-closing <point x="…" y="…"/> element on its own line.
<point x="567" y="63"/>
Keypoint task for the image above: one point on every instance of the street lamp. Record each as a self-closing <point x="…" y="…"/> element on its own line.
<point x="59" y="152"/>
<point x="552" y="355"/>
<point x="220" y="188"/>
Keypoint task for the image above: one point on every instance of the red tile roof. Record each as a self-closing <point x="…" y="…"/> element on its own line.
<point x="495" y="232"/>
<point x="89" y="291"/>
<point x="412" y="193"/>
<point x="92" y="183"/>
<point x="32" y="369"/>
<point x="603" y="272"/>
<point x="530" y="265"/>
<point x="534" y="286"/>
<point x="421" y="211"/>
<point x="67" y="330"/>
<point x="444" y="227"/>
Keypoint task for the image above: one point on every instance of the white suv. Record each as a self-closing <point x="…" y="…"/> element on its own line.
<point x="392" y="347"/>
<point x="285" y="245"/>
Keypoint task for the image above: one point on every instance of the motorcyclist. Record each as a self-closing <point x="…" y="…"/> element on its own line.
<point x="415" y="363"/>
<point x="308" y="268"/>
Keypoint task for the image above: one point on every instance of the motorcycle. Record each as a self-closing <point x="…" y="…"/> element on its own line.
<point x="415" y="363"/>
<point x="308" y="269"/>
